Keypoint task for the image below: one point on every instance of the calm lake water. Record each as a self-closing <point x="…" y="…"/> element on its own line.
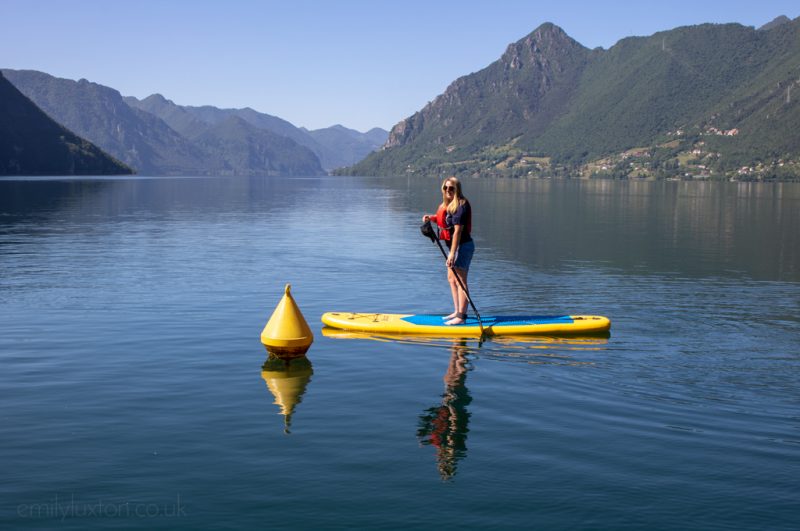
<point x="135" y="391"/>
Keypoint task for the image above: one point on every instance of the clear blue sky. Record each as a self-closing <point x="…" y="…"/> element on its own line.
<point x="359" y="63"/>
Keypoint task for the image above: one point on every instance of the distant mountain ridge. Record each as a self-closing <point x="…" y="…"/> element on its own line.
<point x="335" y="146"/>
<point x="32" y="143"/>
<point x="341" y="146"/>
<point x="782" y="19"/>
<point x="241" y="145"/>
<point x="158" y="137"/>
<point x="653" y="106"/>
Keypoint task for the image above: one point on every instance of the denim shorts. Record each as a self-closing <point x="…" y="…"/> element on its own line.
<point x="464" y="255"/>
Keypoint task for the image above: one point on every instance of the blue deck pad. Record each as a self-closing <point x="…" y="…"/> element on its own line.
<point x="492" y="320"/>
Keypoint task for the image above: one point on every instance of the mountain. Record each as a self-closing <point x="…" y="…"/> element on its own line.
<point x="335" y="146"/>
<point x="241" y="145"/>
<point x="340" y="146"/>
<point x="233" y="142"/>
<point x="178" y="118"/>
<point x="777" y="21"/>
<point x="653" y="106"/>
<point x="146" y="142"/>
<point x="32" y="143"/>
<point x="98" y="114"/>
<point x="377" y="136"/>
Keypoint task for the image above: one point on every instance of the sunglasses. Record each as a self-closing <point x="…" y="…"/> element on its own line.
<point x="449" y="188"/>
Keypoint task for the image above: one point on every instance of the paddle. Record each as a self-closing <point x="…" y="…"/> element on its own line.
<point x="427" y="231"/>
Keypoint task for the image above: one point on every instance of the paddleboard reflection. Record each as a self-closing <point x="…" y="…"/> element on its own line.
<point x="534" y="349"/>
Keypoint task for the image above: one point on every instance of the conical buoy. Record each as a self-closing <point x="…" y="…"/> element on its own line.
<point x="287" y="381"/>
<point x="287" y="334"/>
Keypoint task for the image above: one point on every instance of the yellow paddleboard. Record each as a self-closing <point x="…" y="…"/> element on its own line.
<point x="390" y="323"/>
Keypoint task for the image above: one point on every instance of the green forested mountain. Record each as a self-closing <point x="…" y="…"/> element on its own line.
<point x="708" y="100"/>
<point x="32" y="143"/>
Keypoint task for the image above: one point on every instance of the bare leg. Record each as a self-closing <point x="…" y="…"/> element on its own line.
<point x="462" y="294"/>
<point x="459" y="295"/>
<point x="451" y="279"/>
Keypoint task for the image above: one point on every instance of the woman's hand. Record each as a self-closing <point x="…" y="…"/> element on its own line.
<point x="450" y="259"/>
<point x="426" y="218"/>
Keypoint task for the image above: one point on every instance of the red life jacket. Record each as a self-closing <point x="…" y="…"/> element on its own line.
<point x="440" y="216"/>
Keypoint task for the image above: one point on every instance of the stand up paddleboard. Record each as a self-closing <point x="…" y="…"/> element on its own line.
<point x="389" y="323"/>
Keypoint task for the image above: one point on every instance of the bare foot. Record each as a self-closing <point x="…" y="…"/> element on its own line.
<point x="455" y="321"/>
<point x="451" y="316"/>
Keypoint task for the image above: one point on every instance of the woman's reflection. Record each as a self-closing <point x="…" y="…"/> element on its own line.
<point x="446" y="426"/>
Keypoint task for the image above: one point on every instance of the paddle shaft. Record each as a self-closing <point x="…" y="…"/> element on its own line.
<point x="466" y="291"/>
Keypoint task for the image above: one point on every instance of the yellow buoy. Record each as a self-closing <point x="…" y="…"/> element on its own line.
<point x="287" y="381"/>
<point x="287" y="334"/>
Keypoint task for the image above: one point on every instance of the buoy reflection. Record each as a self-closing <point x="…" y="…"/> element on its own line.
<point x="287" y="380"/>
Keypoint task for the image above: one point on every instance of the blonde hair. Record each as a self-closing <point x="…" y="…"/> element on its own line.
<point x="458" y="197"/>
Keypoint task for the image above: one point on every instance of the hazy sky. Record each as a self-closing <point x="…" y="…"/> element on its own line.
<point x="359" y="63"/>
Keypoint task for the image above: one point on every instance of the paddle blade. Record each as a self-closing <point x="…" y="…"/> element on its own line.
<point x="428" y="232"/>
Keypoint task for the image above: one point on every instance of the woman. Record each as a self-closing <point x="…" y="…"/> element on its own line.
<point x="454" y="217"/>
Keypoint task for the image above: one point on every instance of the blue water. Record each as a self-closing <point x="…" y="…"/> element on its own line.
<point x="136" y="393"/>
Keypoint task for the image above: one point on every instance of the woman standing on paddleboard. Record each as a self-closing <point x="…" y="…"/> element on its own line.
<point x="454" y="218"/>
